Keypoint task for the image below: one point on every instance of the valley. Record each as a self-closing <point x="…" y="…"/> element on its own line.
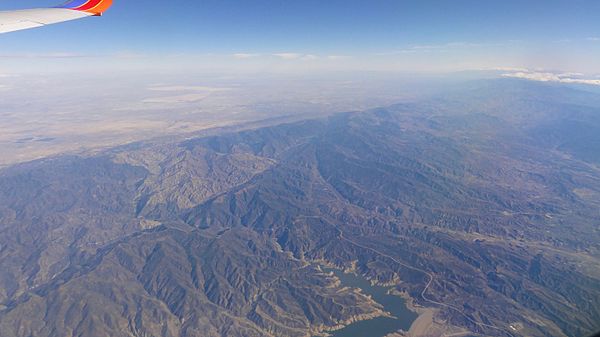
<point x="483" y="220"/>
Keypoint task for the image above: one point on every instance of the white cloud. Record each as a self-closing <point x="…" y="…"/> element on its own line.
<point x="571" y="75"/>
<point x="573" y="78"/>
<point x="594" y="39"/>
<point x="513" y="69"/>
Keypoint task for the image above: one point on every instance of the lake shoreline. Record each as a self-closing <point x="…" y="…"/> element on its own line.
<point x="398" y="314"/>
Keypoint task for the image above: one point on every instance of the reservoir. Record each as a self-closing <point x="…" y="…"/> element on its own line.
<point x="380" y="326"/>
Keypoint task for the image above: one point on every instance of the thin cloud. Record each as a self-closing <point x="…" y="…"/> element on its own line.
<point x="571" y="78"/>
<point x="288" y="56"/>
<point x="245" y="55"/>
<point x="128" y="55"/>
<point x="187" y="88"/>
<point x="444" y="47"/>
<point x="69" y="55"/>
<point x="188" y="98"/>
<point x="338" y="57"/>
<point x="181" y="94"/>
<point x="296" y="56"/>
<point x="57" y="55"/>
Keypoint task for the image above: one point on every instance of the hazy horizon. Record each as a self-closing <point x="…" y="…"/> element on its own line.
<point x="306" y="168"/>
<point x="555" y="36"/>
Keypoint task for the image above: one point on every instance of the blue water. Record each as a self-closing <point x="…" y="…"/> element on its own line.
<point x="380" y="326"/>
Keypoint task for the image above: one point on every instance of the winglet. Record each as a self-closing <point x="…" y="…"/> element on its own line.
<point x="94" y="7"/>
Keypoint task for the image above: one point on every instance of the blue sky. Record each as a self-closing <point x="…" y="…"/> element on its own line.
<point x="370" y="34"/>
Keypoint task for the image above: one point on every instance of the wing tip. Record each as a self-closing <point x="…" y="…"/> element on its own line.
<point x="94" y="7"/>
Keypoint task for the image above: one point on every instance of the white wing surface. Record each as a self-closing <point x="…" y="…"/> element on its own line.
<point x="11" y="21"/>
<point x="32" y="18"/>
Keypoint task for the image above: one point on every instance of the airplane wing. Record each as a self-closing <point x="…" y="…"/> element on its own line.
<point x="11" y="21"/>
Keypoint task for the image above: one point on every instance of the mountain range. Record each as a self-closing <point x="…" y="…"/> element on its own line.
<point x="481" y="204"/>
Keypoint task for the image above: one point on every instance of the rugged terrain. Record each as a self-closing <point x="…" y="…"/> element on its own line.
<point x="482" y="203"/>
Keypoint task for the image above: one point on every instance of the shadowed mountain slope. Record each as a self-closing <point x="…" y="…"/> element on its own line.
<point x="456" y="202"/>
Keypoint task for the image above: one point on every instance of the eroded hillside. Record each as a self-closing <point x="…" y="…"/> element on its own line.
<point x="465" y="209"/>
